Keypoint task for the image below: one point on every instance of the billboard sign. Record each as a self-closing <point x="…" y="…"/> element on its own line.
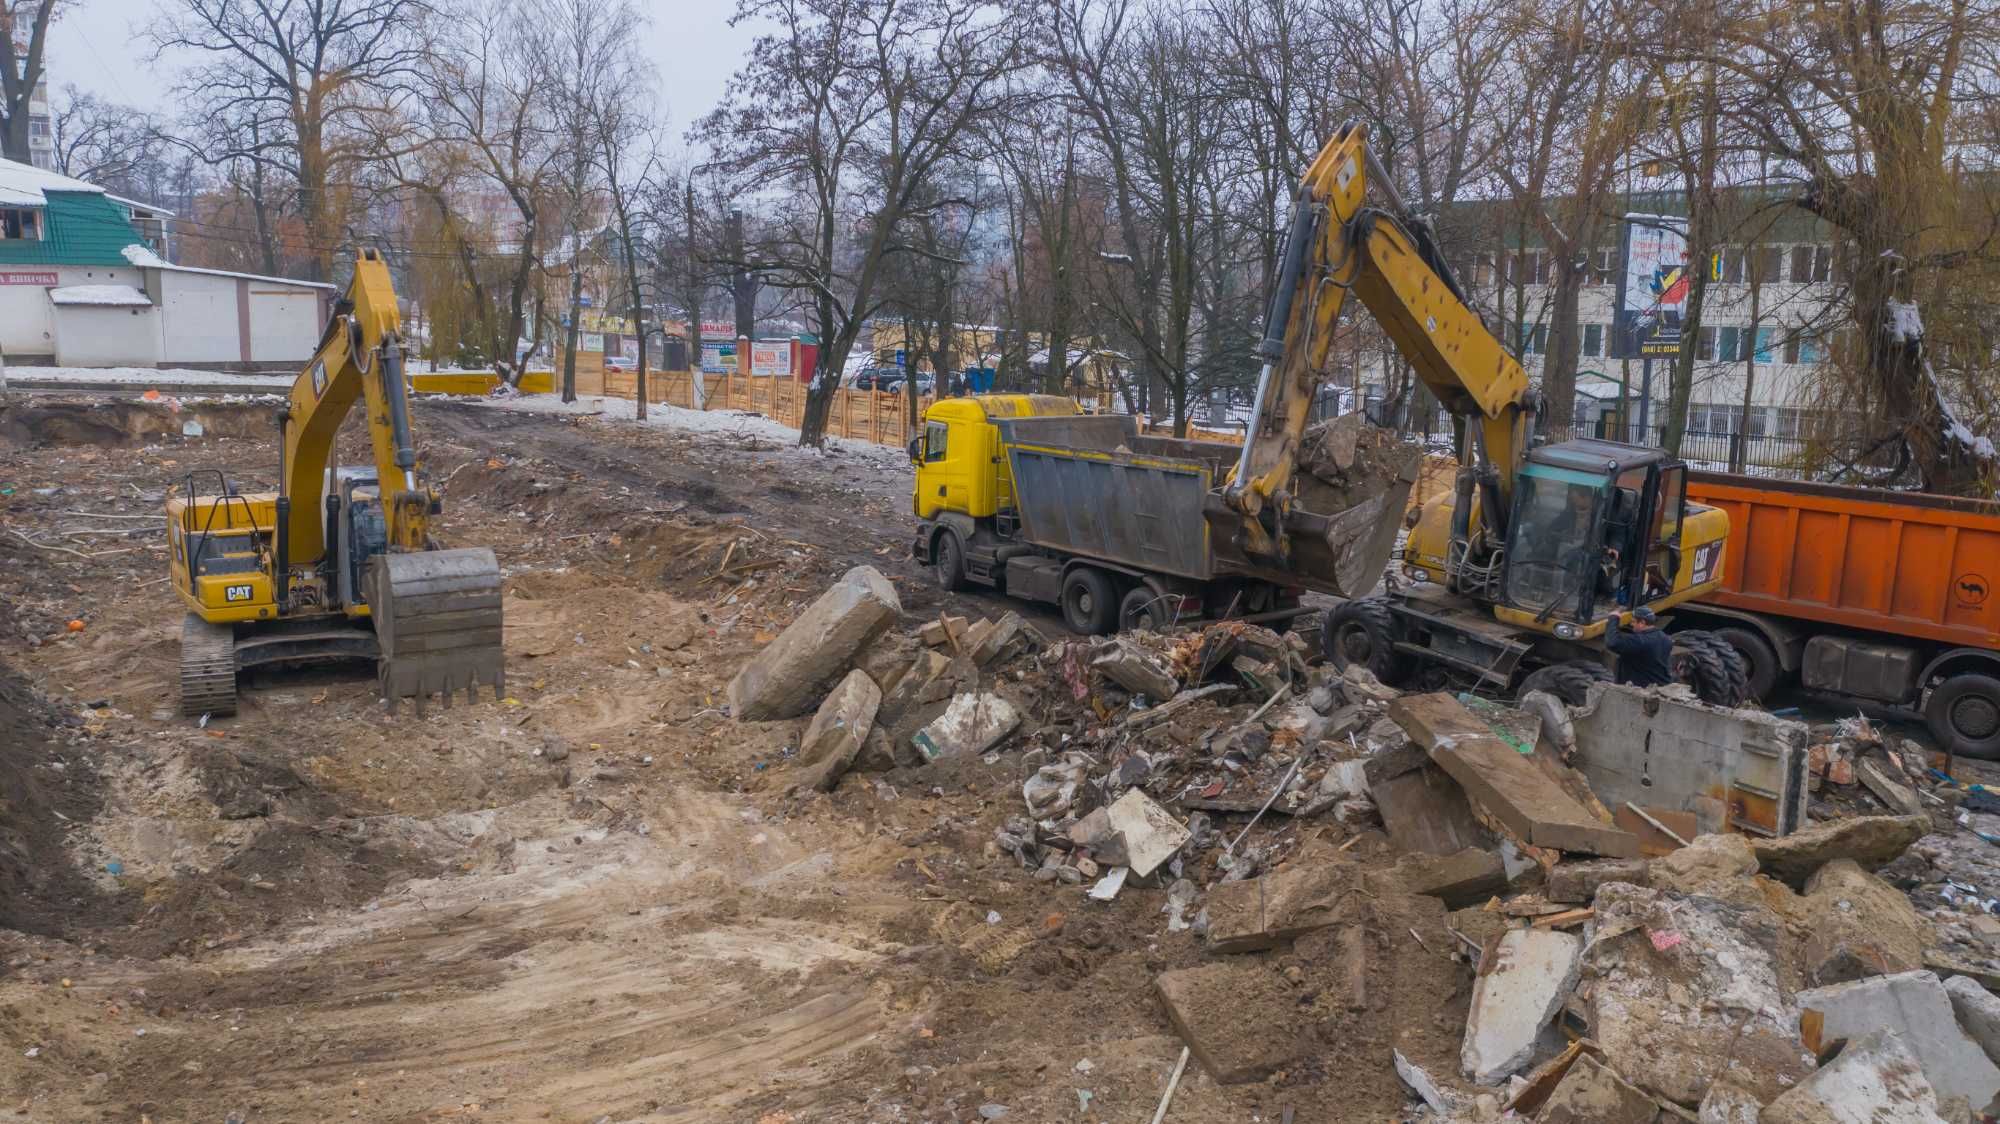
<point x="718" y="358"/>
<point x="1652" y="287"/>
<point x="771" y="358"/>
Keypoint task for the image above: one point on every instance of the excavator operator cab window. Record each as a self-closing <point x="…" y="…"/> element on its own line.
<point x="1555" y="556"/>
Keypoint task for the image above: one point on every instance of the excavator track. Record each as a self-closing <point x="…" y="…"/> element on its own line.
<point x="208" y="667"/>
<point x="437" y="619"/>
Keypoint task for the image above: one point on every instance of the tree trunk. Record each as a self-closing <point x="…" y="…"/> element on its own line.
<point x="569" y="337"/>
<point x="1559" y="357"/>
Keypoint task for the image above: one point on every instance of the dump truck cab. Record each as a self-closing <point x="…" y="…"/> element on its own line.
<point x="960" y="466"/>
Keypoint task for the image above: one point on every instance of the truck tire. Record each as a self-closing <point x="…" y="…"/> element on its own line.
<point x="1761" y="659"/>
<point x="1363" y="631"/>
<point x="949" y="555"/>
<point x="1143" y="610"/>
<point x="1569" y="682"/>
<point x="1712" y="666"/>
<point x="1963" y="713"/>
<point x="1090" y="601"/>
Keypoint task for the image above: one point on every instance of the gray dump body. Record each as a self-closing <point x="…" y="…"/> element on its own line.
<point x="1093" y="486"/>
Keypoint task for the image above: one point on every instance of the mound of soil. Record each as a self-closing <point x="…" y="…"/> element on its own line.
<point x="42" y="791"/>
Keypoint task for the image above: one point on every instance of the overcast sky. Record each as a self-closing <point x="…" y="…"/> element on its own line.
<point x="99" y="46"/>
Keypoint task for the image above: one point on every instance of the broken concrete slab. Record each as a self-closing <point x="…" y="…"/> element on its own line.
<point x="1872" y="841"/>
<point x="1683" y="991"/>
<point x="1916" y="1007"/>
<point x="1424" y="810"/>
<point x="1509" y="786"/>
<point x="1238" y="1017"/>
<point x="1522" y="983"/>
<point x="1591" y="1093"/>
<point x="1657" y="750"/>
<point x="1460" y="879"/>
<point x="1875" y="1080"/>
<point x="1978" y="1012"/>
<point x="1137" y="670"/>
<point x="1576" y="883"/>
<point x="945" y="632"/>
<point x="1094" y="834"/>
<point x="1359" y="685"/>
<point x="902" y="699"/>
<point x="1154" y="715"/>
<point x="788" y="675"/>
<point x="1008" y="634"/>
<point x="1859" y="926"/>
<point x="834" y="737"/>
<point x="1727" y="1103"/>
<point x="1152" y="834"/>
<point x="1898" y="797"/>
<point x="1720" y="866"/>
<point x="1436" y="1097"/>
<point x="974" y="723"/>
<point x="1260" y="913"/>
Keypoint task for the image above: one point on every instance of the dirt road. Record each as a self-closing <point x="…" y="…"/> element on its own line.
<point x="591" y="900"/>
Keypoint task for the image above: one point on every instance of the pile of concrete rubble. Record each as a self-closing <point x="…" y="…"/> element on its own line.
<point x="1662" y="910"/>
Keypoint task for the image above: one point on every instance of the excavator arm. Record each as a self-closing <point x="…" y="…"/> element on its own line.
<point x="1338" y="244"/>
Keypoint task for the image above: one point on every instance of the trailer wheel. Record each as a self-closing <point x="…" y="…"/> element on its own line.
<point x="1761" y="658"/>
<point x="1712" y="666"/>
<point x="1143" y="610"/>
<point x="1963" y="713"/>
<point x="950" y="556"/>
<point x="1569" y="682"/>
<point x="1363" y="631"/>
<point x="1089" y="601"/>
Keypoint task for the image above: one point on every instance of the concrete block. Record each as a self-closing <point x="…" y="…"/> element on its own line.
<point x="1858" y="926"/>
<point x="1503" y="781"/>
<point x="1898" y="797"/>
<point x="1591" y="1094"/>
<point x="788" y="675"/>
<point x="1875" y="1080"/>
<point x="1728" y="1103"/>
<point x="1137" y="670"/>
<point x="1260" y="913"/>
<point x="1238" y="1017"/>
<point x="1720" y="866"/>
<point x="1915" y="1007"/>
<point x="1872" y="841"/>
<point x="1463" y="878"/>
<point x="974" y="723"/>
<point x="1523" y="980"/>
<point x="1658" y="751"/>
<point x="1005" y="635"/>
<point x="903" y="698"/>
<point x="1683" y="992"/>
<point x="1426" y="811"/>
<point x="1359" y="685"/>
<point x="1978" y="1012"/>
<point x="944" y="632"/>
<point x="1576" y="883"/>
<point x="833" y="738"/>
<point x="1152" y="834"/>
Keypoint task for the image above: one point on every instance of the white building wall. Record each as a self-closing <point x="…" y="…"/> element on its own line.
<point x="199" y="324"/>
<point x="27" y="321"/>
<point x="106" y="336"/>
<point x="284" y="323"/>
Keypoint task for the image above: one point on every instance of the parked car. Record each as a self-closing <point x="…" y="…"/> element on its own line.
<point x="875" y="378"/>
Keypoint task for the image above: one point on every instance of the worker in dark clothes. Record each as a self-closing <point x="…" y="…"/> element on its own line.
<point x="1644" y="653"/>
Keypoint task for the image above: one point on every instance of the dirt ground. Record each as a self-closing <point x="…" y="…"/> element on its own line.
<point x="590" y="900"/>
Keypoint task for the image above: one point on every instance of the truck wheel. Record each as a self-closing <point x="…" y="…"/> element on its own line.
<point x="1569" y="682"/>
<point x="1759" y="656"/>
<point x="1718" y="673"/>
<point x="1090" y="601"/>
<point x="1964" y="714"/>
<point x="950" y="556"/>
<point x="1363" y="631"/>
<point x="1143" y="610"/>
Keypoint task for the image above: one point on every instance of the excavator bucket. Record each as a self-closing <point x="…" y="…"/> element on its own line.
<point x="437" y="619"/>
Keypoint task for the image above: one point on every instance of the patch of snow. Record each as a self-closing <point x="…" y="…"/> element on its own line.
<point x="1905" y="322"/>
<point x="116" y="296"/>
<point x="147" y="376"/>
<point x="142" y="256"/>
<point x="732" y="424"/>
<point x="1980" y="444"/>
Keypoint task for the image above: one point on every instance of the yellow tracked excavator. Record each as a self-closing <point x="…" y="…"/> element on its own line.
<point x="339" y="563"/>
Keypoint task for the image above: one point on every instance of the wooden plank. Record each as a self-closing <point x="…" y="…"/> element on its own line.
<point x="1508" y="785"/>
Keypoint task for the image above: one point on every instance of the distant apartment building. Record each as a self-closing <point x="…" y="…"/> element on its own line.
<point x="1773" y="302"/>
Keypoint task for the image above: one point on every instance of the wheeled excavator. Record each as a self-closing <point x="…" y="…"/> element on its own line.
<point x="1507" y="583"/>
<point x="339" y="563"/>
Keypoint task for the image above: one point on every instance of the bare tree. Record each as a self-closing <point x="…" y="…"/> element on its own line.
<point x="853" y="107"/>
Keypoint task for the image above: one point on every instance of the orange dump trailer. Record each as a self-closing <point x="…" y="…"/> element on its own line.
<point x="1886" y="597"/>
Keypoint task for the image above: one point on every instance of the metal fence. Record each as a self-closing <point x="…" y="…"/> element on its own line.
<point x="1790" y="458"/>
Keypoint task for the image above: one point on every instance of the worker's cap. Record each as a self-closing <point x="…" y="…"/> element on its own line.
<point x="1644" y="614"/>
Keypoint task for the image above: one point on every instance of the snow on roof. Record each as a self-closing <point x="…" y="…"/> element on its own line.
<point x="22" y="185"/>
<point x="119" y="296"/>
<point x="145" y="258"/>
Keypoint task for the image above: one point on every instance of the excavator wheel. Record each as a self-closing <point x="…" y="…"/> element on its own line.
<point x="1712" y="666"/>
<point x="437" y="619"/>
<point x="1569" y="682"/>
<point x="208" y="667"/>
<point x="1363" y="631"/>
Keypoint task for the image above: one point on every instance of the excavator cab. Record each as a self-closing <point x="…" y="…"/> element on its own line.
<point x="1596" y="529"/>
